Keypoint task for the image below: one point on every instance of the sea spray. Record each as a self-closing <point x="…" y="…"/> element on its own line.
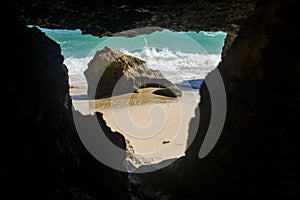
<point x="178" y="66"/>
<point x="175" y="66"/>
<point x="76" y="67"/>
<point x="180" y="56"/>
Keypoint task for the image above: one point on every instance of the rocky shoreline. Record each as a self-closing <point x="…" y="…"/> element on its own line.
<point x="257" y="155"/>
<point x="101" y="18"/>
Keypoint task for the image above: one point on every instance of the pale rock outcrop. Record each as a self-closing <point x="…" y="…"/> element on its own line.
<point x="111" y="72"/>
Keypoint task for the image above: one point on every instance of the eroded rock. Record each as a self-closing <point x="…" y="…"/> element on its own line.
<point x="111" y="72"/>
<point x="112" y="17"/>
<point x="42" y="156"/>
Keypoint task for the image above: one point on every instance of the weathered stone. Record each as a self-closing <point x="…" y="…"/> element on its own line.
<point x="165" y="92"/>
<point x="257" y="155"/>
<point x="103" y="17"/>
<point x="111" y="72"/>
<point x="42" y="156"/>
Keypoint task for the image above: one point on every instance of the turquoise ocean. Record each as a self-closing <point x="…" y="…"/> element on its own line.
<point x="180" y="56"/>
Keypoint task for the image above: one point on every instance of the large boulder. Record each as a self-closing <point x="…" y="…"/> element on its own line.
<point x="111" y="72"/>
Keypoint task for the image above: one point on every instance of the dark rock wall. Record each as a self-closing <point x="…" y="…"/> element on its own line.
<point x="261" y="74"/>
<point x="41" y="154"/>
<point x="100" y="17"/>
<point x="257" y="154"/>
<point x="35" y="118"/>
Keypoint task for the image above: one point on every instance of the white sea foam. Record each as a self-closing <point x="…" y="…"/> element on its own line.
<point x="76" y="67"/>
<point x="175" y="66"/>
<point x="178" y="66"/>
<point x="213" y="34"/>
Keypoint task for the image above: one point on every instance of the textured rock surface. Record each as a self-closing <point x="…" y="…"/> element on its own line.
<point x="99" y="17"/>
<point x="41" y="154"/>
<point x="165" y="92"/>
<point x="111" y="72"/>
<point x="36" y="128"/>
<point x="257" y="155"/>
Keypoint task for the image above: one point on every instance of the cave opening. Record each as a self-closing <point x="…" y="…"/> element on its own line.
<point x="158" y="125"/>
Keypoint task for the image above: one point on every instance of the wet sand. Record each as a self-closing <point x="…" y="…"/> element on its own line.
<point x="156" y="126"/>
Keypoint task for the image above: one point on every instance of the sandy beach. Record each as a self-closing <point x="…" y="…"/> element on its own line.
<point x="155" y="126"/>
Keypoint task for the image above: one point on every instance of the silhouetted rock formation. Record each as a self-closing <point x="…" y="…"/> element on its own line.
<point x="111" y="72"/>
<point x="102" y="17"/>
<point x="257" y="155"/>
<point x="41" y="155"/>
<point x="93" y="177"/>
